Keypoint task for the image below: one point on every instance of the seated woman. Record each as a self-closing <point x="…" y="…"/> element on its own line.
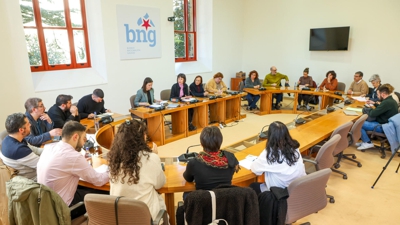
<point x="391" y="92"/>
<point x="330" y="82"/>
<point x="281" y="161"/>
<point x="376" y="83"/>
<point x="215" y="85"/>
<point x="135" y="170"/>
<point x="252" y="82"/>
<point x="308" y="82"/>
<point x="212" y="166"/>
<point x="145" y="95"/>
<point x="179" y="91"/>
<point x="196" y="88"/>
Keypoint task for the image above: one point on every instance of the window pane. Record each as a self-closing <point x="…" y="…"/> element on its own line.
<point x="192" y="42"/>
<point x="180" y="45"/>
<point x="28" y="17"/>
<point x="52" y="13"/>
<point x="179" y="23"/>
<point x="57" y="45"/>
<point x="80" y="48"/>
<point x="32" y="44"/>
<point x="190" y="16"/>
<point x="75" y="12"/>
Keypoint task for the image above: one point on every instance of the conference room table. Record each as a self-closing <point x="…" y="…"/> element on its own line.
<point x="327" y="98"/>
<point x="206" y="112"/>
<point x="317" y="128"/>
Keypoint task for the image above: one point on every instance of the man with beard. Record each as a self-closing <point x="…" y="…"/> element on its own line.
<point x="61" y="165"/>
<point x="383" y="111"/>
<point x="63" y="111"/>
<point x="273" y="79"/>
<point x="15" y="151"/>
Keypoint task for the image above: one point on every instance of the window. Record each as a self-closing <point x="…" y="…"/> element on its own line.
<point x="185" y="30"/>
<point x="56" y="34"/>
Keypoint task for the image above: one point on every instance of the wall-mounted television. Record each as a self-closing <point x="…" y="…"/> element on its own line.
<point x="329" y="39"/>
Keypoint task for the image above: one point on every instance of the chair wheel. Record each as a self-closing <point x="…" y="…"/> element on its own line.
<point x="345" y="177"/>
<point x="332" y="200"/>
<point x="354" y="157"/>
<point x="336" y="165"/>
<point x="359" y="165"/>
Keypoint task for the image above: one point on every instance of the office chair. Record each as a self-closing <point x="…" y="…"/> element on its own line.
<point x="354" y="136"/>
<point x="132" y="101"/>
<point x="382" y="140"/>
<point x="109" y="210"/>
<point x="343" y="143"/>
<point x="6" y="173"/>
<point x="341" y="86"/>
<point x="41" y="206"/>
<point x="324" y="158"/>
<point x="236" y="205"/>
<point x="303" y="202"/>
<point x="164" y="94"/>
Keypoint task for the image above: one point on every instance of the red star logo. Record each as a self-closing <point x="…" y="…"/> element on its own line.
<point x="146" y="23"/>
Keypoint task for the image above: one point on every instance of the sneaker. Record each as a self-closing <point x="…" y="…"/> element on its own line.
<point x="248" y="108"/>
<point x="298" y="107"/>
<point x="358" y="144"/>
<point x="308" y="107"/>
<point x="365" y="145"/>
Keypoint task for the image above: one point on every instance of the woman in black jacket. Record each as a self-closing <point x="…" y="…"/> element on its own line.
<point x="179" y="91"/>
<point x="196" y="88"/>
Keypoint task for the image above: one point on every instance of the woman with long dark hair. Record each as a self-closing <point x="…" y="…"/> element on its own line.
<point x="196" y="88"/>
<point x="252" y="82"/>
<point x="135" y="170"/>
<point x="281" y="161"/>
<point x="145" y="95"/>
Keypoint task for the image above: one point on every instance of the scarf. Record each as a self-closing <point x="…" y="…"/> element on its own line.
<point x="214" y="159"/>
<point x="181" y="91"/>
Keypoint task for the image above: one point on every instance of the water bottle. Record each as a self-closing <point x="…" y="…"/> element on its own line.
<point x="295" y="86"/>
<point x="96" y="122"/>
<point x="88" y="156"/>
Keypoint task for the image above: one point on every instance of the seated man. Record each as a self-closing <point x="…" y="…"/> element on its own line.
<point x="91" y="103"/>
<point x="358" y="86"/>
<point x="41" y="124"/>
<point x="61" y="165"/>
<point x="216" y="85"/>
<point x="383" y="111"/>
<point x="63" y="111"/>
<point x="15" y="151"/>
<point x="273" y="79"/>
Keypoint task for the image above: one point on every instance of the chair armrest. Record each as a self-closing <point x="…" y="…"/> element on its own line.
<point x="162" y="214"/>
<point x="310" y="161"/>
<point x="75" y="206"/>
<point x="312" y="149"/>
<point x="374" y="130"/>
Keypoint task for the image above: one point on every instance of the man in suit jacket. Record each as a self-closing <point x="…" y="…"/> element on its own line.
<point x="63" y="111"/>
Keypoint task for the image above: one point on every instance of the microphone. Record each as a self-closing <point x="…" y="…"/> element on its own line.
<point x="188" y="156"/>
<point x="263" y="134"/>
<point x="329" y="108"/>
<point x="300" y="120"/>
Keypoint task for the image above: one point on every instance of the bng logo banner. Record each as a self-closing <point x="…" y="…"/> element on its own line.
<point x="138" y="32"/>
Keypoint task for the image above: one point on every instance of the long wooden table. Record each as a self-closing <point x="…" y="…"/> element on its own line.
<point x="327" y="98"/>
<point x="206" y="112"/>
<point x="308" y="135"/>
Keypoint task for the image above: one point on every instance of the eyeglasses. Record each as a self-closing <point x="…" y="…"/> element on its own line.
<point x="40" y="106"/>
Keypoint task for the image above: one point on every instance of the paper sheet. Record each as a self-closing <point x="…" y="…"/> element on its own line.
<point x="246" y="163"/>
<point x="101" y="169"/>
<point x="358" y="98"/>
<point x="354" y="109"/>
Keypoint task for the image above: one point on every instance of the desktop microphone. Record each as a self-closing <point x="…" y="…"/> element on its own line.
<point x="329" y="108"/>
<point x="300" y="120"/>
<point x="263" y="134"/>
<point x="188" y="156"/>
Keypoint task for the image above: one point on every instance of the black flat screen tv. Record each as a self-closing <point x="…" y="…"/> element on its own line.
<point x="329" y="39"/>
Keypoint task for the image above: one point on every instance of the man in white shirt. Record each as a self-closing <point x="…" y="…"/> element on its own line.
<point x="61" y="165"/>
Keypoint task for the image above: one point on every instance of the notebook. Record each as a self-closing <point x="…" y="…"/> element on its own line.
<point x="350" y="113"/>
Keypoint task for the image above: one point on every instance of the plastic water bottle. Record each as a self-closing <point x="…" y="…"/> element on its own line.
<point x="96" y="122"/>
<point x="88" y="156"/>
<point x="295" y="86"/>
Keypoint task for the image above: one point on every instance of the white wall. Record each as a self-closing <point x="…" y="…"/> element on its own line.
<point x="277" y="33"/>
<point x="119" y="79"/>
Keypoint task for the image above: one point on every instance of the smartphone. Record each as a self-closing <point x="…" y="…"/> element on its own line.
<point x="57" y="138"/>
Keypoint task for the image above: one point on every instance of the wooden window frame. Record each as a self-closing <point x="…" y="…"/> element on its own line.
<point x="42" y="44"/>
<point x="186" y="33"/>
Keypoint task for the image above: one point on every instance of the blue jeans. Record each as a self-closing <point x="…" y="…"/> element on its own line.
<point x="369" y="126"/>
<point x="278" y="97"/>
<point x="252" y="100"/>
